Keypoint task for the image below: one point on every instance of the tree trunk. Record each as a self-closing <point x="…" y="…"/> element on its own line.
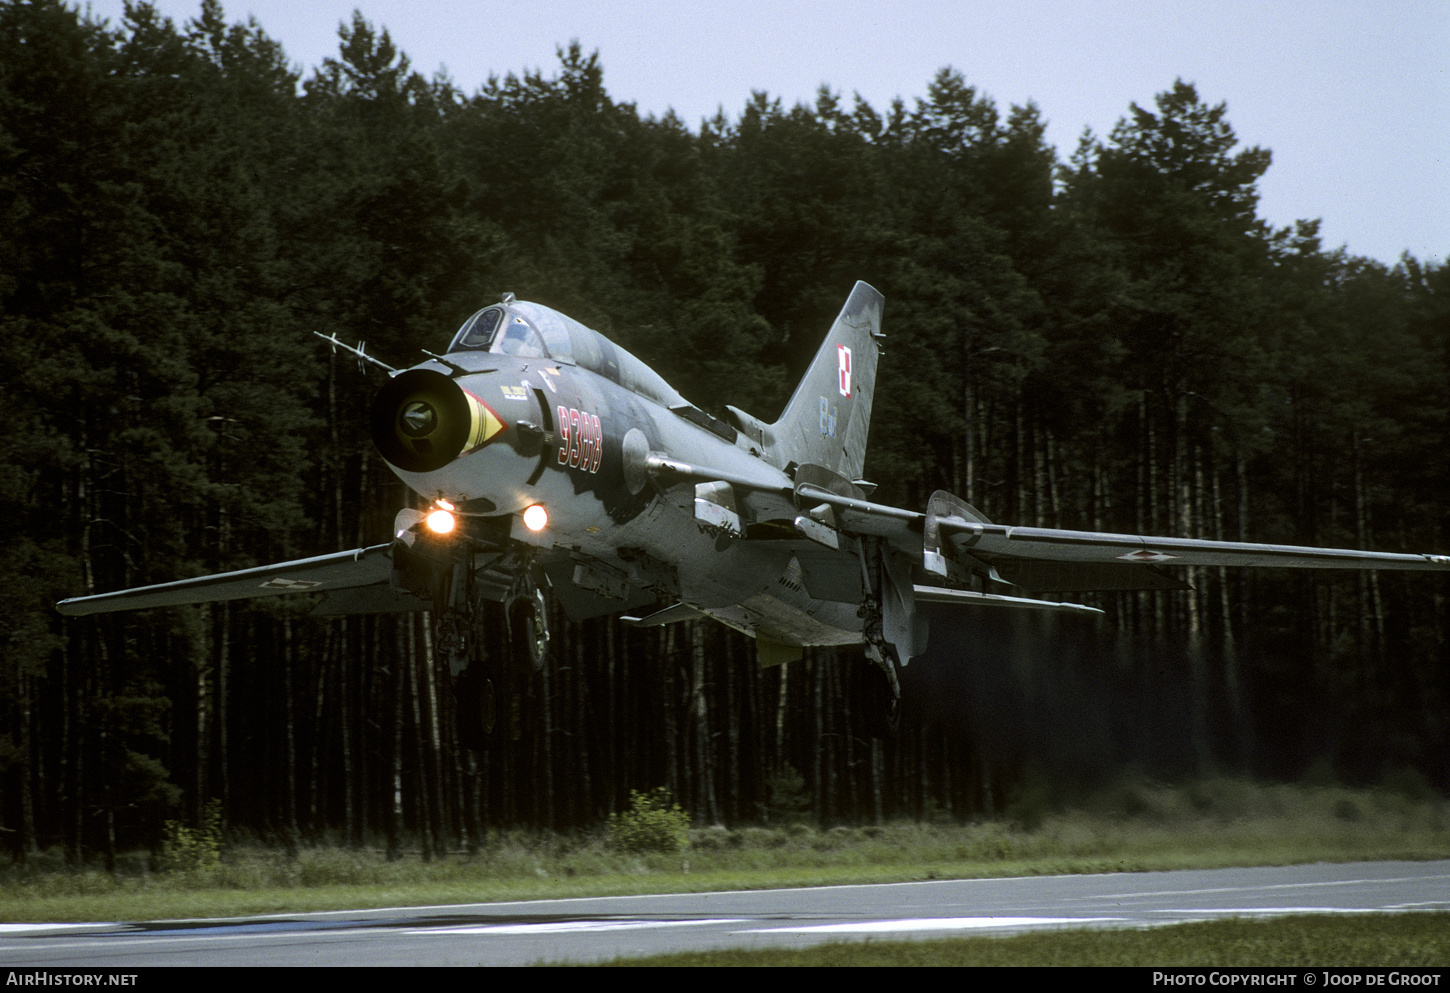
<point x="290" y="815"/>
<point x="706" y="808"/>
<point x="345" y="722"/>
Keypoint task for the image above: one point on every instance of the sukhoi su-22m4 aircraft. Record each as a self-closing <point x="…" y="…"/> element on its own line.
<point x="557" y="465"/>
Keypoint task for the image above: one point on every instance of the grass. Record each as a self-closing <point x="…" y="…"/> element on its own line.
<point x="1134" y="826"/>
<point x="1358" y="940"/>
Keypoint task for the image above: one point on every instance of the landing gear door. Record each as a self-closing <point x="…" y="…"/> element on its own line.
<point x="900" y="624"/>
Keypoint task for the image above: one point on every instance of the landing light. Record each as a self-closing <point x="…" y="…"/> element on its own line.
<point x="441" y="522"/>
<point x="536" y="518"/>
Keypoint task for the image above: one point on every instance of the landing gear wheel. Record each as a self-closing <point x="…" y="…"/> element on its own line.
<point x="528" y="617"/>
<point x="880" y="694"/>
<point x="453" y="642"/>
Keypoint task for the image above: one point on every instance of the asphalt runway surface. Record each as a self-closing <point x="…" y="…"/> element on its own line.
<point x="601" y="929"/>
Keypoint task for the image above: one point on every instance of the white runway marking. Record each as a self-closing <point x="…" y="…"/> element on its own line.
<point x="1273" y="911"/>
<point x="568" y="927"/>
<point x="1264" y="887"/>
<point x="937" y="924"/>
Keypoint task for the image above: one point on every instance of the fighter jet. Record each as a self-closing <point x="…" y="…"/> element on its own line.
<point x="557" y="466"/>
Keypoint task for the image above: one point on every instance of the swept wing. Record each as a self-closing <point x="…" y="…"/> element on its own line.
<point x="355" y="580"/>
<point x="998" y="544"/>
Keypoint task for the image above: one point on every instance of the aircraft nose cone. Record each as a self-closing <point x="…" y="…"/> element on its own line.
<point x="418" y="418"/>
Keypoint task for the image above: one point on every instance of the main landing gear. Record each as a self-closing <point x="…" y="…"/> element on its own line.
<point x="881" y="675"/>
<point x="888" y="622"/>
<point x="881" y="688"/>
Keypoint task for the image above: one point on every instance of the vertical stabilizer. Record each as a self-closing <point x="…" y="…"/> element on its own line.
<point x="826" y="421"/>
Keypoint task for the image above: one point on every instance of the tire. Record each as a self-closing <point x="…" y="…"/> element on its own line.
<point x="529" y="631"/>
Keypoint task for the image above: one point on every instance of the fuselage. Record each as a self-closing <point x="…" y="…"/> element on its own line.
<point x="560" y="417"/>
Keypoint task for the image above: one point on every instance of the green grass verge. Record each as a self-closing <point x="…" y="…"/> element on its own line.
<point x="1362" y="940"/>
<point x="1135" y="826"/>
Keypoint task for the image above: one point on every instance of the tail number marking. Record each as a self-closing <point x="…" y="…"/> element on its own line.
<point x="581" y="439"/>
<point x="843" y="370"/>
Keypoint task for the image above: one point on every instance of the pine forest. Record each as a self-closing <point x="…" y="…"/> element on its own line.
<point x="1107" y="340"/>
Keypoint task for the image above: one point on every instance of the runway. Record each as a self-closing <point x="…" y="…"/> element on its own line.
<point x="600" y="929"/>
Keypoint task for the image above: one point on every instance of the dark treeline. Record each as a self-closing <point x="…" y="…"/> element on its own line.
<point x="1115" y="342"/>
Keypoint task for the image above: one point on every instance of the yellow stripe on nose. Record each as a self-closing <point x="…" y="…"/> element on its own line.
<point x="485" y="425"/>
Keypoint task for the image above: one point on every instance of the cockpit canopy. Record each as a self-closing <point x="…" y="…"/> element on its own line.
<point x="531" y="330"/>
<point x="494" y="329"/>
<point x="478" y="331"/>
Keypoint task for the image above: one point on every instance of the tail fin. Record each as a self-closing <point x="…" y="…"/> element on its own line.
<point x="826" y="421"/>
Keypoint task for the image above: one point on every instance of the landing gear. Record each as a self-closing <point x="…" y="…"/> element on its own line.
<point x="464" y="589"/>
<point x="877" y="701"/>
<point x="451" y="599"/>
<point x="528" y="620"/>
<point x="453" y="641"/>
<point x="881" y="682"/>
<point x="881" y="691"/>
<point x="887" y="620"/>
<point x="459" y="642"/>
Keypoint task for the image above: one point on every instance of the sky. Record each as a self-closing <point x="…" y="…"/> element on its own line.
<point x="1352" y="96"/>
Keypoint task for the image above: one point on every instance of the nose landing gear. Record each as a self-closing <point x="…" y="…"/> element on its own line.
<point x="463" y="589"/>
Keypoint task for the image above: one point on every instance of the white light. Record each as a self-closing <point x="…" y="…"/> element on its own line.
<point x="444" y="503"/>
<point x="536" y="518"/>
<point x="441" y="522"/>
